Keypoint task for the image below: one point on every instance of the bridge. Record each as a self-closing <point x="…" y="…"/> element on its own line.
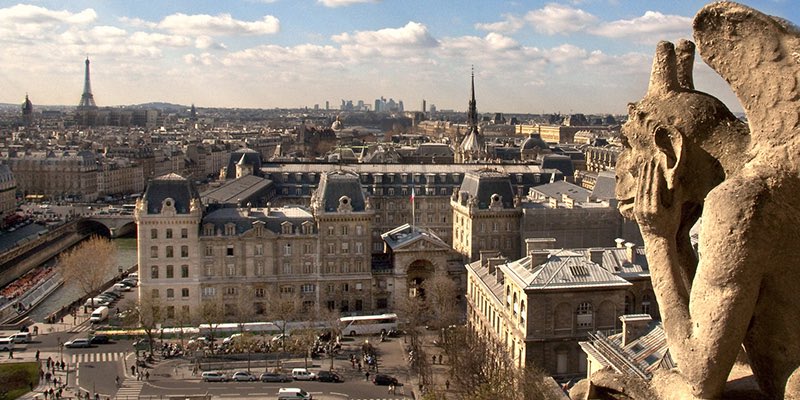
<point x="115" y="224"/>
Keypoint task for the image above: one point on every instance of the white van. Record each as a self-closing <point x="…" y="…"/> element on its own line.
<point x="6" y="344"/>
<point x="293" y="394"/>
<point x="302" y="374"/>
<point x="99" y="315"/>
<point x="21" y="337"/>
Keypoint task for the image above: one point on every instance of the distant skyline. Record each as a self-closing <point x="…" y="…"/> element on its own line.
<point x="589" y="56"/>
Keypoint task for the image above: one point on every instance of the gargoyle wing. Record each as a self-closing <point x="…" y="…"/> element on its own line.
<point x="759" y="56"/>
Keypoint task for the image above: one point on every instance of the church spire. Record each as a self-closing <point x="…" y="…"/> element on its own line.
<point x="472" y="114"/>
<point x="87" y="98"/>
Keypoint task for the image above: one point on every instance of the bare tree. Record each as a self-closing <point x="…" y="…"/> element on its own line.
<point x="441" y="296"/>
<point x="88" y="264"/>
<point x="211" y="314"/>
<point x="244" y="312"/>
<point x="413" y="316"/>
<point x="146" y="313"/>
<point x="482" y="369"/>
<point x="331" y="318"/>
<point x="284" y="308"/>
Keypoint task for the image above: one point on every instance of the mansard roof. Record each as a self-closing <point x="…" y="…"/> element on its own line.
<point x="244" y="218"/>
<point x="337" y="187"/>
<point x="172" y="186"/>
<point x="483" y="184"/>
<point x="563" y="269"/>
<point x="406" y="235"/>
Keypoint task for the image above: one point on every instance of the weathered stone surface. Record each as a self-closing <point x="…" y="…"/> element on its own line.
<point x="686" y="155"/>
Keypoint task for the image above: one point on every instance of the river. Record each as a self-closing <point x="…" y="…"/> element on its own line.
<point x="126" y="257"/>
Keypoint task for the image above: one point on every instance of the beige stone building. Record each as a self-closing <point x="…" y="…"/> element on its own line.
<point x="543" y="304"/>
<point x="56" y="174"/>
<point x="120" y="176"/>
<point x="8" y="191"/>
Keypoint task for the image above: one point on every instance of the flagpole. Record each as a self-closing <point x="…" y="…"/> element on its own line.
<point x="413" y="208"/>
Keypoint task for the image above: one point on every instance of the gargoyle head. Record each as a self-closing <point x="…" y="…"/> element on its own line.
<point x="668" y="126"/>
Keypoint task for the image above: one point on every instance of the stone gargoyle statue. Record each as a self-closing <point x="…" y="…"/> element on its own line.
<point x="686" y="156"/>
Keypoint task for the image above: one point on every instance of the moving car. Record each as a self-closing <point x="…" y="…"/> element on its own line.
<point x="243" y="376"/>
<point x="214" y="376"/>
<point x="100" y="339"/>
<point x="329" y="376"/>
<point x="74" y="343"/>
<point x="293" y="394"/>
<point x="274" y="377"/>
<point x="382" y="379"/>
<point x="302" y="374"/>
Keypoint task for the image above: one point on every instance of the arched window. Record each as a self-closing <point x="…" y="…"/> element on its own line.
<point x="516" y="306"/>
<point x="522" y="312"/>
<point x="646" y="303"/>
<point x="508" y="296"/>
<point x="584" y="315"/>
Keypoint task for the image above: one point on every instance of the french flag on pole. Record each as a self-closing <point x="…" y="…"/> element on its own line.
<point x="412" y="195"/>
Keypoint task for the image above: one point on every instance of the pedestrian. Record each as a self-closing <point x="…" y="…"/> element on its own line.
<point x="45" y="394"/>
<point x="366" y="375"/>
<point x="434" y="358"/>
<point x="391" y="387"/>
<point x="97" y="396"/>
<point x="116" y="380"/>
<point x="41" y="374"/>
<point x="447" y="384"/>
<point x="63" y="366"/>
<point x="37" y="355"/>
<point x="10" y="353"/>
<point x="133" y="370"/>
<point x="31" y="385"/>
<point x="147" y="375"/>
<point x="47" y="377"/>
<point x="440" y="358"/>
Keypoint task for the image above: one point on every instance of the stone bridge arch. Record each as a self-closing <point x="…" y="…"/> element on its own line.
<point x="110" y="227"/>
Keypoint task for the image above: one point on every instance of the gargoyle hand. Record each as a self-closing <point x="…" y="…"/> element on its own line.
<point x="654" y="209"/>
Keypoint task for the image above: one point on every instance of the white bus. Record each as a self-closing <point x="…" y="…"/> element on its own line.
<point x="368" y="324"/>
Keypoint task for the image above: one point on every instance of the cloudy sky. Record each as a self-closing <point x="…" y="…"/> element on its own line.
<point x="590" y="56"/>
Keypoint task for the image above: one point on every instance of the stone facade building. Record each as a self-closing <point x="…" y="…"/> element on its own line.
<point x="56" y="174"/>
<point x="544" y="303"/>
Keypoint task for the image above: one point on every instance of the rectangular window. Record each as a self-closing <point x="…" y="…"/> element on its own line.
<point x="154" y="293"/>
<point x="260" y="308"/>
<point x="170" y="252"/>
<point x="331" y="305"/>
<point x="170" y="293"/>
<point x="308" y="268"/>
<point x="329" y="288"/>
<point x="153" y="233"/>
<point x="184" y="251"/>
<point x="287" y="249"/>
<point x="345" y="248"/>
<point x="345" y="287"/>
<point x="170" y="271"/>
<point x="230" y="291"/>
<point x="185" y="311"/>
<point x="153" y="251"/>
<point x="359" y="248"/>
<point x="154" y="272"/>
<point x="259" y="250"/>
<point x="359" y="286"/>
<point x="184" y="271"/>
<point x="169" y="233"/>
<point x="208" y="270"/>
<point x="359" y="305"/>
<point x="331" y="248"/>
<point x="359" y="230"/>
<point x="209" y="291"/>
<point x="209" y="251"/>
<point x="184" y="233"/>
<point x="231" y="269"/>
<point x="185" y="292"/>
<point x="307" y="248"/>
<point x="382" y="303"/>
<point x="170" y="312"/>
<point x="345" y="230"/>
<point x="229" y="250"/>
<point x="260" y="292"/>
<point x="308" y="288"/>
<point x="287" y="268"/>
<point x="287" y="289"/>
<point x="259" y="268"/>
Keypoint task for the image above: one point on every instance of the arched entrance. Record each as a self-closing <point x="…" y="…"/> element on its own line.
<point x="417" y="273"/>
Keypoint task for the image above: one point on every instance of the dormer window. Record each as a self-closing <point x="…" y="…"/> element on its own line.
<point x="286" y="228"/>
<point x="230" y="229"/>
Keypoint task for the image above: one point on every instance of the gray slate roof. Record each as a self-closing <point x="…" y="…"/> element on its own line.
<point x="244" y="218"/>
<point x="563" y="269"/>
<point x="333" y="185"/>
<point x="248" y="188"/>
<point x="173" y="186"/>
<point x="483" y="184"/>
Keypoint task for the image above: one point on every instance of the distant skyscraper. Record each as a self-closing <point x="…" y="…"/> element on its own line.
<point x="424" y="109"/>
<point x="193" y="113"/>
<point x="87" y="99"/>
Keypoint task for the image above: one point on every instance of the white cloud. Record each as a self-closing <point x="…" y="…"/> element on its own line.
<point x="651" y="26"/>
<point x="214" y="25"/>
<point x="30" y="14"/>
<point x="344" y="3"/>
<point x="509" y="24"/>
<point x="207" y="42"/>
<point x="138" y="22"/>
<point x="413" y="34"/>
<point x="559" y="19"/>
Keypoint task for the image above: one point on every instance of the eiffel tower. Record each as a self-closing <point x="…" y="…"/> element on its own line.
<point x="87" y="99"/>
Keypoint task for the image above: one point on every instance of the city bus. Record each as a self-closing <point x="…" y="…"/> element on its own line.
<point x="368" y="324"/>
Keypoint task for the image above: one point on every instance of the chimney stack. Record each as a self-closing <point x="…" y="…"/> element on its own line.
<point x="537" y="244"/>
<point x="630" y="252"/>
<point x="633" y="326"/>
<point x="620" y="242"/>
<point x="596" y="255"/>
<point x="539" y="257"/>
<point x="493" y="262"/>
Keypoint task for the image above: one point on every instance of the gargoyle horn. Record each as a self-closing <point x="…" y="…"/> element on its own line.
<point x="664" y="76"/>
<point x="684" y="53"/>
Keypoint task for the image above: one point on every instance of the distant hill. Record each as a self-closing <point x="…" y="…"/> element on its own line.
<point x="161" y="106"/>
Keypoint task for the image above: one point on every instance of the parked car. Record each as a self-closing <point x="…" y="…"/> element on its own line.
<point x="381" y="379"/>
<point x="214" y="376"/>
<point x="293" y="394"/>
<point x="122" y="287"/>
<point x="78" y="343"/>
<point x="100" y="339"/>
<point x="243" y="376"/>
<point x="302" y="374"/>
<point x="274" y="377"/>
<point x="329" y="376"/>
<point x="280" y="337"/>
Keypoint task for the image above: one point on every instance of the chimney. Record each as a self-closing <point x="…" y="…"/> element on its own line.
<point x="494" y="262"/>
<point x="486" y="255"/>
<point x="620" y="242"/>
<point x="633" y="326"/>
<point x="539" y="257"/>
<point x="536" y="244"/>
<point x="596" y="255"/>
<point x="630" y="252"/>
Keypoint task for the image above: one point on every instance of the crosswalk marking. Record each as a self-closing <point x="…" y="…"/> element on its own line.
<point x="80" y="328"/>
<point x="96" y="357"/>
<point x="130" y="389"/>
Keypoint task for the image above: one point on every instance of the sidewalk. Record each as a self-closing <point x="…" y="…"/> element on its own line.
<point x="69" y="323"/>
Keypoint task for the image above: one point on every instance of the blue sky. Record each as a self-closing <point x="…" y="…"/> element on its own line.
<point x="590" y="56"/>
